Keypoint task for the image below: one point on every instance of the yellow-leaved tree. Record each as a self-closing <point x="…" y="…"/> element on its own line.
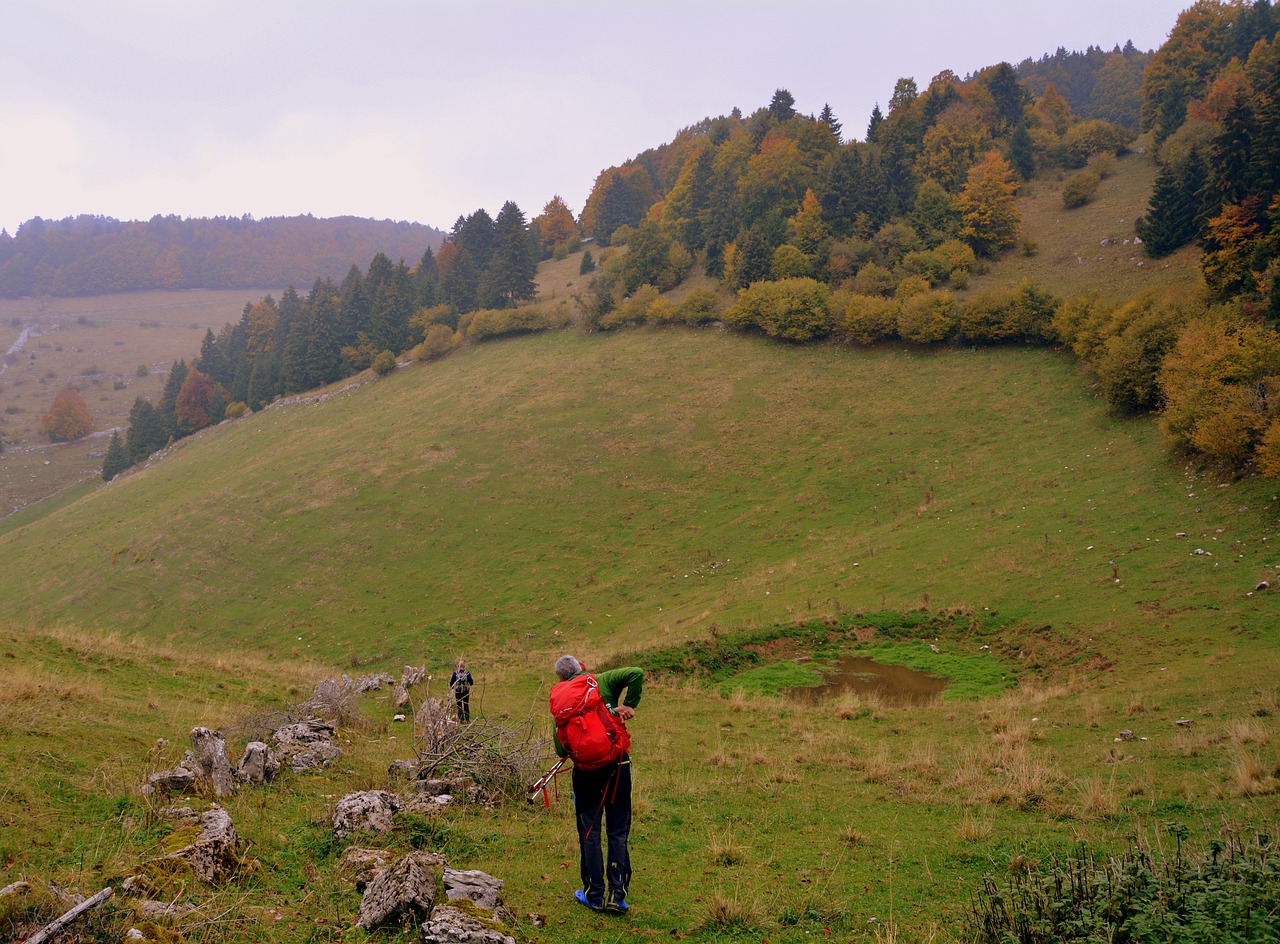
<point x="68" y="417"/>
<point x="989" y="220"/>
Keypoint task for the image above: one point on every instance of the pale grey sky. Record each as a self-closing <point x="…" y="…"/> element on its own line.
<point x="426" y="110"/>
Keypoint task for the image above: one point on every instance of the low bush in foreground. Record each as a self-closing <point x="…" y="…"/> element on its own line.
<point x="1230" y="891"/>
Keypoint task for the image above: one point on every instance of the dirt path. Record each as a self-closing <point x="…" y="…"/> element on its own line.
<point x="28" y="332"/>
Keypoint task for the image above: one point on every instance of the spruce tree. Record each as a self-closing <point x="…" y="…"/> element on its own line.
<point x="169" y="398"/>
<point x="513" y="266"/>
<point x="116" y="460"/>
<point x="754" y="259"/>
<point x="146" y="432"/>
<point x="1022" y="153"/>
<point x="873" y="125"/>
<point x="1171" y="219"/>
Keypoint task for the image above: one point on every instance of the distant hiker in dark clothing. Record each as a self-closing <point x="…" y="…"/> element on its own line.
<point x="460" y="683"/>
<point x="590" y="712"/>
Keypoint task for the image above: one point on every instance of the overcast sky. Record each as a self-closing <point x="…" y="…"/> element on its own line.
<point x="422" y="110"/>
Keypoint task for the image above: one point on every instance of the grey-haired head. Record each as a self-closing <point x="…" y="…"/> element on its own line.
<point x="567" y="667"/>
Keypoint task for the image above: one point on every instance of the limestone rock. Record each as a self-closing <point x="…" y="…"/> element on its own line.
<point x="259" y="763"/>
<point x="476" y="886"/>
<point x="307" y="745"/>
<point x="213" y="854"/>
<point x="369" y="811"/>
<point x="371" y="683"/>
<point x="209" y="751"/>
<point x="176" y="780"/>
<point x="361" y="865"/>
<point x="412" y="675"/>
<point x="452" y="925"/>
<point x="406" y="887"/>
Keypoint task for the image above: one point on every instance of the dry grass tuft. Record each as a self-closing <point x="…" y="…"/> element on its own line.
<point x="723" y="850"/>
<point x="1097" y="799"/>
<point x="1254" y="778"/>
<point x="732" y="915"/>
<point x="853" y="836"/>
<point x="972" y="829"/>
<point x="1247" y="731"/>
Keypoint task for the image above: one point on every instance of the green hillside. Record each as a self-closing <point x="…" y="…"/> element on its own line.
<point x="613" y="493"/>
<point x="605" y="485"/>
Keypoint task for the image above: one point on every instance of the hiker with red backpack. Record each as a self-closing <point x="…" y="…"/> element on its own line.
<point x="590" y="712"/>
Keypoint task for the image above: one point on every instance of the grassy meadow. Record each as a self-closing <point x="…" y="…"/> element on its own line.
<point x="621" y="496"/>
<point x="113" y="348"/>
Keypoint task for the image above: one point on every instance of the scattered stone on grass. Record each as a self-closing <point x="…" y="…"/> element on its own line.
<point x="368" y="811"/>
<point x="209" y="754"/>
<point x="258" y="765"/>
<point x="478" y="887"/>
<point x="306" y="745"/>
<point x="406" y="887"/>
<point x="212" y="853"/>
<point x="451" y="924"/>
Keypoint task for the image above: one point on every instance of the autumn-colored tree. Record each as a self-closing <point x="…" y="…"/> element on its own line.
<point x="201" y="401"/>
<point x="989" y="219"/>
<point x="954" y="143"/>
<point x="68" y="417"/>
<point x="1229" y="245"/>
<point x="1051" y="111"/>
<point x="1200" y="43"/>
<point x="1221" y="385"/>
<point x="556" y="225"/>
<point x="807" y="229"/>
<point x="775" y="178"/>
<point x="260" y="322"/>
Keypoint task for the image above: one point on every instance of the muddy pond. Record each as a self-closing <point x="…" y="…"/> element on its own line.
<point x="891" y="684"/>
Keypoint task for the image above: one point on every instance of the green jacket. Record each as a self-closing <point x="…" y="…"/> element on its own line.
<point x="612" y="685"/>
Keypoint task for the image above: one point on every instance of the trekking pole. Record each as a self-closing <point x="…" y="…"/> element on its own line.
<point x="547" y="779"/>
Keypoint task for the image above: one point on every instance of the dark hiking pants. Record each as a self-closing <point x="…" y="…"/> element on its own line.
<point x="604" y="794"/>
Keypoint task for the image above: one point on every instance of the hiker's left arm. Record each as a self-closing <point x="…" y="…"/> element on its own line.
<point x="632" y="680"/>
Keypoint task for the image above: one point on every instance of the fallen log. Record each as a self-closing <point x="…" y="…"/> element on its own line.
<point x="58" y="924"/>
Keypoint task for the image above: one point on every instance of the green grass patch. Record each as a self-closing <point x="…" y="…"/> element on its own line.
<point x="969" y="676"/>
<point x="771" y="679"/>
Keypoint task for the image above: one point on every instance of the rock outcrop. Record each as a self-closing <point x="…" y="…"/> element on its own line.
<point x="369" y="811"/>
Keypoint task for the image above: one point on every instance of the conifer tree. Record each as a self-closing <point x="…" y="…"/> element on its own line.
<point x="146" y="432"/>
<point x="169" y="398"/>
<point x="873" y="125"/>
<point x="1172" y="216"/>
<point x="828" y="118"/>
<point x="754" y="258"/>
<point x="513" y="266"/>
<point x="1022" y="154"/>
<point x="116" y="460"/>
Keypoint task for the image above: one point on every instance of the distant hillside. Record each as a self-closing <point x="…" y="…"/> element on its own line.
<point x="680" y="475"/>
<point x="95" y="255"/>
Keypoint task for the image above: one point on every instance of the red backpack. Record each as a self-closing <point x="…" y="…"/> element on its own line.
<point x="591" y="736"/>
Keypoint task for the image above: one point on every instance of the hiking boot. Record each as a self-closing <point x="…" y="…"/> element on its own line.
<point x="616" y="906"/>
<point x="581" y="897"/>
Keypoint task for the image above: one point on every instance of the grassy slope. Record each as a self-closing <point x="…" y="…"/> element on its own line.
<point x="1070" y="258"/>
<point x="614" y="492"/>
<point x="610" y="485"/>
<point x="97" y="344"/>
